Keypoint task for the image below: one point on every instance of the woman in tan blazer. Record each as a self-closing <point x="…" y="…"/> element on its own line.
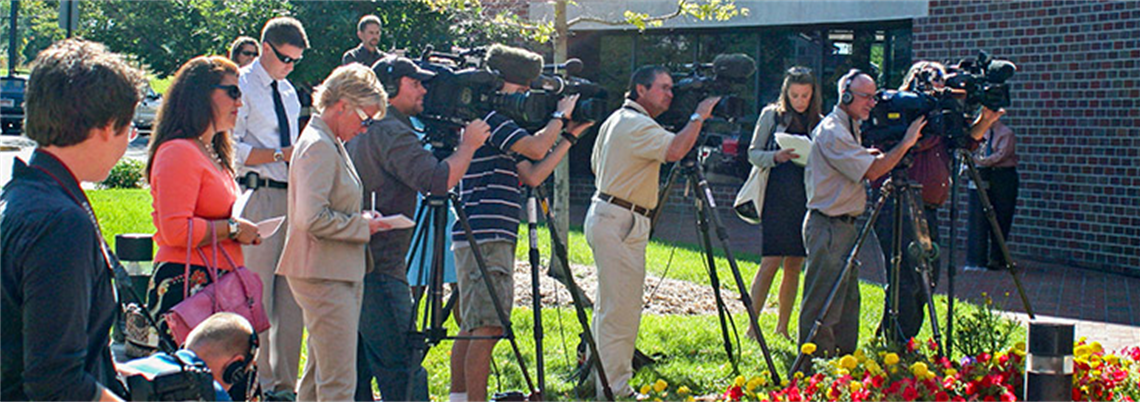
<point x="324" y="258"/>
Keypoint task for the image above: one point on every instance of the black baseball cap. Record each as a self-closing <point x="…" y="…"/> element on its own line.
<point x="389" y="70"/>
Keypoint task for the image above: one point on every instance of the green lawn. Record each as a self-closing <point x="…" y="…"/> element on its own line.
<point x="692" y="345"/>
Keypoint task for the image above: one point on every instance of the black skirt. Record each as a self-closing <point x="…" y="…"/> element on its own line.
<point x="785" y="204"/>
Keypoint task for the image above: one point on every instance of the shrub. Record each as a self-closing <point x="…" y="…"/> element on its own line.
<point x="128" y="173"/>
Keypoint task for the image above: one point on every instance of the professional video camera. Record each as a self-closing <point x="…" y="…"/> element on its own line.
<point x="897" y="109"/>
<point x="728" y="71"/>
<point x="983" y="80"/>
<point x="980" y="82"/>
<point x="464" y="89"/>
<point x="189" y="383"/>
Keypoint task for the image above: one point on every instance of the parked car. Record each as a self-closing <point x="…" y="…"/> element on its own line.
<point x="147" y="110"/>
<point x="12" y="104"/>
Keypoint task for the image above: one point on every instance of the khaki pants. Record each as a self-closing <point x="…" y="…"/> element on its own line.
<point x="332" y="315"/>
<point x="828" y="242"/>
<point x="281" y="344"/>
<point x="618" y="238"/>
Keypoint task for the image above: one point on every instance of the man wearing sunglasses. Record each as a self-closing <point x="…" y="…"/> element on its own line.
<point x="267" y="126"/>
<point x="368" y="30"/>
<point x="836" y="168"/>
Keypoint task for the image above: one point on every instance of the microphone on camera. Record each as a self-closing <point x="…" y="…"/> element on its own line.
<point x="572" y="66"/>
<point x="734" y="66"/>
<point x="1000" y="70"/>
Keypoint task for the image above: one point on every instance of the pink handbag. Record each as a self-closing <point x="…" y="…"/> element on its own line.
<point x="238" y="292"/>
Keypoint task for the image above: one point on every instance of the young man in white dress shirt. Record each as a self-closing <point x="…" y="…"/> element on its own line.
<point x="267" y="126"/>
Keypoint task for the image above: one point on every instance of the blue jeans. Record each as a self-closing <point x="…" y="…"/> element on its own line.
<point x="384" y="351"/>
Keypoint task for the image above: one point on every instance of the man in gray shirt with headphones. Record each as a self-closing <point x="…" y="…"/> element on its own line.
<point x="394" y="165"/>
<point x="834" y="176"/>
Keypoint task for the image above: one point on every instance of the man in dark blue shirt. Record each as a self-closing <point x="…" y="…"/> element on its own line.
<point x="56" y="300"/>
<point x="224" y="344"/>
<point x="490" y="195"/>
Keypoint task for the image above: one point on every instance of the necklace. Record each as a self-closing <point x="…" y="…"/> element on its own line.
<point x="210" y="150"/>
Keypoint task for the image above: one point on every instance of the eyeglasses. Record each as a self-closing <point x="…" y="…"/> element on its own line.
<point x="365" y="119"/>
<point x="867" y="96"/>
<point x="283" y="58"/>
<point x="799" y="70"/>
<point x="248" y="53"/>
<point x="231" y="90"/>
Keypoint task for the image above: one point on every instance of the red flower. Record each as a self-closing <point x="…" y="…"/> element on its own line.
<point x="733" y="393"/>
<point x="910" y="394"/>
<point x="989" y="398"/>
<point x="1003" y="359"/>
<point x="910" y="345"/>
<point x="932" y="344"/>
<point x="984" y="357"/>
<point x="941" y="397"/>
<point x="971" y="388"/>
<point x="1008" y="397"/>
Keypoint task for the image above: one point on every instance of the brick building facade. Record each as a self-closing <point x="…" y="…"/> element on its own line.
<point x="1076" y="113"/>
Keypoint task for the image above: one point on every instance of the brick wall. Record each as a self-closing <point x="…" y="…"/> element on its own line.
<point x="1076" y="113"/>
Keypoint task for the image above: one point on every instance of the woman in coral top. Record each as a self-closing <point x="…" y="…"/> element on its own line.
<point x="191" y="174"/>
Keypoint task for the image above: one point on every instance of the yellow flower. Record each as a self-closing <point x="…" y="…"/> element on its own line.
<point x="848" y="362"/>
<point x="860" y="355"/>
<point x="1112" y="359"/>
<point x="784" y="383"/>
<point x="919" y="369"/>
<point x="752" y="384"/>
<point x="689" y="399"/>
<point x="1096" y="348"/>
<point x="739" y="381"/>
<point x="660" y="385"/>
<point x="855" y="386"/>
<point x="683" y="390"/>
<point x="843" y="372"/>
<point x="657" y="400"/>
<point x="645" y="389"/>
<point x="798" y="375"/>
<point x="807" y="348"/>
<point x="951" y="372"/>
<point x="831" y="394"/>
<point x="874" y="367"/>
<point x="1019" y="346"/>
<point x="891" y="359"/>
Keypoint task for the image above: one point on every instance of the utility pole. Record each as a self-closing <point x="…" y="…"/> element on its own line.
<point x="15" y="5"/>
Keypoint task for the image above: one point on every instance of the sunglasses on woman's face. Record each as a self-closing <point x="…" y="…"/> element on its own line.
<point x="231" y="90"/>
<point x="248" y="53"/>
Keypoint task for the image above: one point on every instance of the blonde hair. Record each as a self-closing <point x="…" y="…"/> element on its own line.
<point x="354" y="84"/>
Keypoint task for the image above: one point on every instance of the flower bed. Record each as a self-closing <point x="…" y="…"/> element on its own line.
<point x="917" y="375"/>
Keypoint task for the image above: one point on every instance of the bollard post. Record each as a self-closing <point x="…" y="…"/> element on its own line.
<point x="133" y="248"/>
<point x="1049" y="363"/>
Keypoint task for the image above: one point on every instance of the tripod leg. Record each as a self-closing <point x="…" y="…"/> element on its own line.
<point x="988" y="208"/>
<point x="705" y="195"/>
<point x="714" y="281"/>
<point x="577" y="299"/>
<point x="500" y="310"/>
<point x="535" y="289"/>
<point x="925" y="256"/>
<point x="847" y="266"/>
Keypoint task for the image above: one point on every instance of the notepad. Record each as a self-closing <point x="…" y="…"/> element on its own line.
<point x="799" y="144"/>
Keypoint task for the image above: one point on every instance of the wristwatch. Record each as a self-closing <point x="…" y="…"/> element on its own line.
<point x="696" y="117"/>
<point x="560" y="116"/>
<point x="278" y="155"/>
<point x="233" y="225"/>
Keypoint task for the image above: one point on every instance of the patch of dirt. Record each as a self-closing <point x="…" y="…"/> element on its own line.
<point x="672" y="296"/>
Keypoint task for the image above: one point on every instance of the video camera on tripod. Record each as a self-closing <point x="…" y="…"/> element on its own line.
<point x="721" y="151"/>
<point x="968" y="84"/>
<point x="465" y="89"/>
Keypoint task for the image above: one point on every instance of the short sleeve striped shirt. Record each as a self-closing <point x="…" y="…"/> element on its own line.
<point x="490" y="191"/>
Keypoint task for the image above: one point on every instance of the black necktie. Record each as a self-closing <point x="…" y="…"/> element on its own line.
<point x="282" y="119"/>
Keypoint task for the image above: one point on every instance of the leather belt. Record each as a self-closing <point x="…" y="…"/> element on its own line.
<point x="646" y="212"/>
<point x="841" y="218"/>
<point x="253" y="181"/>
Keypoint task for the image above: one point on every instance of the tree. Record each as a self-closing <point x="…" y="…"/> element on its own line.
<point x="558" y="30"/>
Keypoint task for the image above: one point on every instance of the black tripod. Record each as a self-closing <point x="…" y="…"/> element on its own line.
<point x="922" y="250"/>
<point x="432" y="215"/>
<point x="706" y="212"/>
<point x="535" y="196"/>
